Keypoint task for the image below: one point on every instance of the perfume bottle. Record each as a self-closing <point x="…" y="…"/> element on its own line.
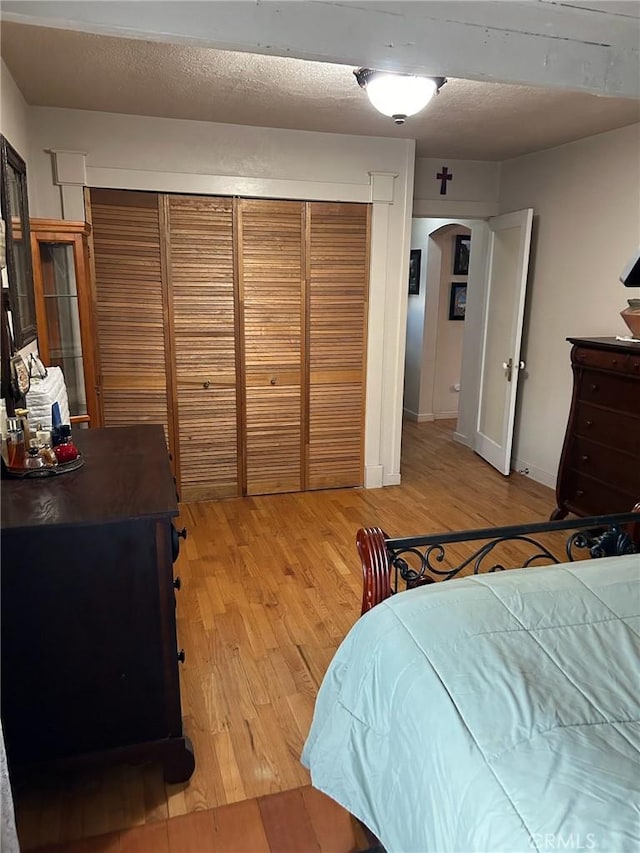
<point x="23" y="415"/>
<point x="15" y="443"/>
<point x="56" y="422"/>
<point x="33" y="458"/>
<point x="48" y="455"/>
<point x="65" y="450"/>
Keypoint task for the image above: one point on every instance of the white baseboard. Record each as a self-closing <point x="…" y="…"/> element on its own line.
<point x="420" y="419"/>
<point x="373" y="477"/>
<point x="391" y="480"/>
<point x="446" y="416"/>
<point x="534" y="473"/>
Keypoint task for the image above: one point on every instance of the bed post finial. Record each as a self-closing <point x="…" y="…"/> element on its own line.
<point x="376" y="577"/>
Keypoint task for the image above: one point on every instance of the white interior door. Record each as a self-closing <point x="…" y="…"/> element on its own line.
<point x="507" y="265"/>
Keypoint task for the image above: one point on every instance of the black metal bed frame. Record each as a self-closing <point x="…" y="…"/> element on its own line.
<point x="601" y="536"/>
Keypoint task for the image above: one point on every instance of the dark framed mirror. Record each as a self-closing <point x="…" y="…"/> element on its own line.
<point x="15" y="213"/>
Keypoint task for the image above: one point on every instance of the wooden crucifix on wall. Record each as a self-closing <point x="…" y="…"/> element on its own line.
<point x="444" y="176"/>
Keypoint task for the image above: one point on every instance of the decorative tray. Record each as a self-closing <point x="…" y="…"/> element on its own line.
<point x="47" y="470"/>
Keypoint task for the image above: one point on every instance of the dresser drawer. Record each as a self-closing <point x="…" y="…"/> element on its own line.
<point x="621" y="393"/>
<point x="613" y="429"/>
<point x="606" y="464"/>
<point x="602" y="359"/>
<point x="588" y="496"/>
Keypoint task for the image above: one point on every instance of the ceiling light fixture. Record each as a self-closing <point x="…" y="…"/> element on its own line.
<point x="398" y="95"/>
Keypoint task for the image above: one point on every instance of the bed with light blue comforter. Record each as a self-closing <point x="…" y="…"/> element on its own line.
<point x="493" y="713"/>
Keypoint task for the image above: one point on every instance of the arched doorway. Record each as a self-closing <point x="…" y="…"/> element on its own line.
<point x="435" y="320"/>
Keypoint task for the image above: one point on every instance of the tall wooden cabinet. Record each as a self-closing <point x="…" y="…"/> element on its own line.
<point x="65" y="312"/>
<point x="240" y="324"/>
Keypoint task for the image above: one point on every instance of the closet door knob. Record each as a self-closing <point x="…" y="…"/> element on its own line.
<point x="206" y="384"/>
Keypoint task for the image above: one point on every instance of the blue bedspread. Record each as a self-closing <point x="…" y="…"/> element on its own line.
<point x="494" y="713"/>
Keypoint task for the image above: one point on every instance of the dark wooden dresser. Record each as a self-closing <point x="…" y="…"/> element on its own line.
<point x="89" y="651"/>
<point x="600" y="463"/>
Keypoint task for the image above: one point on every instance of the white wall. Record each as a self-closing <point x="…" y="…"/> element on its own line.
<point x="586" y="199"/>
<point x="13" y="114"/>
<point x="135" y="152"/>
<point x="473" y="190"/>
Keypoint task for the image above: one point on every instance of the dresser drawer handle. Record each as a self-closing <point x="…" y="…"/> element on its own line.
<point x="589" y="423"/>
<point x="594" y="387"/>
<point x="583" y="458"/>
<point x="181" y="656"/>
<point x="579" y="493"/>
<point x="177" y="583"/>
<point x="176" y="535"/>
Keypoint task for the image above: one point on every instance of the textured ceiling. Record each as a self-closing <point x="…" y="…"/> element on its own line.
<point x="467" y="120"/>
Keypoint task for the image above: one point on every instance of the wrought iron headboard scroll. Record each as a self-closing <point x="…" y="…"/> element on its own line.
<point x="419" y="560"/>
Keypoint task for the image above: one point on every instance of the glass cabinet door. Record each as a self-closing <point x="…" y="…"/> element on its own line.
<point x="60" y="294"/>
<point x="64" y="313"/>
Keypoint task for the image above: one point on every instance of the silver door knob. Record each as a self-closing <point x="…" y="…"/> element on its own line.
<point x="508" y="367"/>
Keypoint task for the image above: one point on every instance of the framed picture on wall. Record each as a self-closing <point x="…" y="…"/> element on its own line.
<point x="458" y="300"/>
<point x="414" y="271"/>
<point x="461" y="254"/>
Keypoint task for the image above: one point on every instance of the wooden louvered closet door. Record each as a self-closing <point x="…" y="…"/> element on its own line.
<point x="130" y="302"/>
<point x="271" y="270"/>
<point x="338" y="275"/>
<point x="201" y="273"/>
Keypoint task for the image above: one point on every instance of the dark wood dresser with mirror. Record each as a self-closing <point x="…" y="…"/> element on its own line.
<point x="89" y="647"/>
<point x="600" y="463"/>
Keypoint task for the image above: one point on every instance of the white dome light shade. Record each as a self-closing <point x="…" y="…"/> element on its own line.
<point x="398" y="95"/>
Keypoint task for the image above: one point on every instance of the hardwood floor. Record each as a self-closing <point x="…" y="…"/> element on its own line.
<point x="270" y="586"/>
<point x="298" y="821"/>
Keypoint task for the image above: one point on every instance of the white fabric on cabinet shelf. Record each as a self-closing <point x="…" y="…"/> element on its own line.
<point x="43" y="393"/>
